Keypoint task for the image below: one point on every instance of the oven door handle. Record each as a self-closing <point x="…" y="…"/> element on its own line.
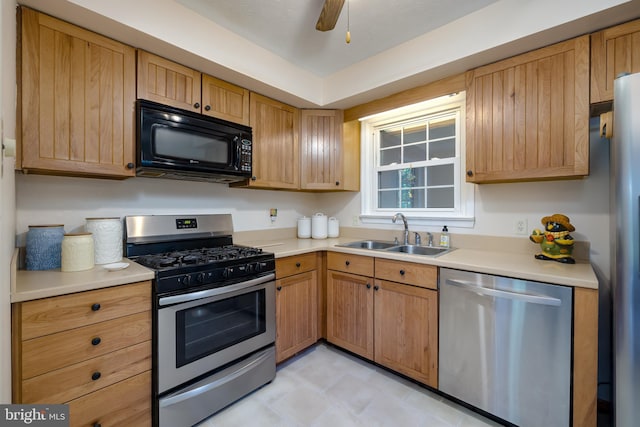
<point x="195" y="391"/>
<point x="216" y="291"/>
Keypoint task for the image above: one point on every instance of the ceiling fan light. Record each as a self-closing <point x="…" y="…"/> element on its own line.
<point x="348" y="38"/>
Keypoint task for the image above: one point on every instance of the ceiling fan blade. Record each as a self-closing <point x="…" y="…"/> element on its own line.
<point x="329" y="15"/>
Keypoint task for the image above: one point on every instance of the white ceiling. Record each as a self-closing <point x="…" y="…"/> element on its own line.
<point x="272" y="46"/>
<point x="287" y="27"/>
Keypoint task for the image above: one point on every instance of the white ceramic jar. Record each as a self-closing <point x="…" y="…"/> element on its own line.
<point x="319" y="226"/>
<point x="77" y="252"/>
<point x="107" y="238"/>
<point x="304" y="227"/>
<point x="333" y="228"/>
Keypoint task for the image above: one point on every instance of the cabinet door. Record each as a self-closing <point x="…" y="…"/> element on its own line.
<point x="350" y="312"/>
<point x="296" y="314"/>
<point x="76" y="97"/>
<point x="168" y="83"/>
<point x="321" y="145"/>
<point x="224" y="100"/>
<point x="528" y="116"/>
<point x="275" y="143"/>
<point x="614" y="50"/>
<point x="406" y="330"/>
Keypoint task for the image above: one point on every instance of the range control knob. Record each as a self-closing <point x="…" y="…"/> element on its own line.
<point x="200" y="278"/>
<point x="227" y="273"/>
<point x="185" y="280"/>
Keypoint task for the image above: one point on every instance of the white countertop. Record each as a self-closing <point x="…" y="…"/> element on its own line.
<point x="516" y="265"/>
<point x="30" y="285"/>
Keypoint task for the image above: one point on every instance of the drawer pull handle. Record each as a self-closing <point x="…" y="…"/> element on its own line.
<point x="96" y="376"/>
<point x="95" y="307"/>
<point x="368" y="285"/>
<point x="298" y="264"/>
<point x="96" y="341"/>
<point x="279" y="288"/>
<point x="402" y="272"/>
<point x="347" y="263"/>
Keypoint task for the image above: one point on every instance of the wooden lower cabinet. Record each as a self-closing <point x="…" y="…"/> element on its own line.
<point x="350" y="312"/>
<point x="297" y="300"/>
<point x="90" y="350"/>
<point x="296" y="314"/>
<point x="406" y="330"/>
<point x="394" y="324"/>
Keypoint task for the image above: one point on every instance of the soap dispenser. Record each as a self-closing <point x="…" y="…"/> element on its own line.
<point x="444" y="237"/>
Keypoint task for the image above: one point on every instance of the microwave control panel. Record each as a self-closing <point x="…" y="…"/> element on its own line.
<point x="245" y="155"/>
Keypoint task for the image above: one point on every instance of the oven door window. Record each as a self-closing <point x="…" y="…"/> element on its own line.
<point x="205" y="329"/>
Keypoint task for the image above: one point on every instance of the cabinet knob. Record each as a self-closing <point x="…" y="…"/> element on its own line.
<point x="95" y="307"/>
<point x="95" y="376"/>
<point x="96" y="341"/>
<point x="337" y="182"/>
<point x="96" y="425"/>
<point x="279" y="288"/>
<point x="196" y="105"/>
<point x="469" y="172"/>
<point x="130" y="165"/>
<point x="207" y="107"/>
<point x="253" y="178"/>
<point x="298" y="264"/>
<point x="376" y="287"/>
<point x="402" y="272"/>
<point x="347" y="263"/>
<point x="368" y="285"/>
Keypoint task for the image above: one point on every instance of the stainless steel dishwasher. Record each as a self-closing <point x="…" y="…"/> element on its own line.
<point x="505" y="346"/>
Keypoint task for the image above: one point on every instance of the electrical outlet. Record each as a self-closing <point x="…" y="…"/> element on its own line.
<point x="520" y="226"/>
<point x="355" y="220"/>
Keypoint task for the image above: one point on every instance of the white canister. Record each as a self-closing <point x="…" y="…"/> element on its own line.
<point x="319" y="226"/>
<point x="77" y="252"/>
<point x="107" y="238"/>
<point x="304" y="227"/>
<point x="333" y="229"/>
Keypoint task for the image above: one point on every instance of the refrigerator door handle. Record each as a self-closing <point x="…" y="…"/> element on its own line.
<point x="516" y="296"/>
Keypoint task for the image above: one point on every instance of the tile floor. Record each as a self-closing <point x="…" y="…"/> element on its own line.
<point x="326" y="387"/>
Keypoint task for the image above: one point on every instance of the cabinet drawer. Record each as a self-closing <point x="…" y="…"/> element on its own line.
<point x="425" y="276"/>
<point x="355" y="264"/>
<point x="50" y="315"/>
<point x="63" y="385"/>
<point x="56" y="351"/>
<point x="127" y="403"/>
<point x="295" y="264"/>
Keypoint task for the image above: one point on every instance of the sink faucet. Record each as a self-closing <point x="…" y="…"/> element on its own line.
<point x="406" y="227"/>
<point x="430" y="237"/>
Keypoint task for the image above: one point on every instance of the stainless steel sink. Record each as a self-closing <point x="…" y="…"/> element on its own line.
<point x="368" y="244"/>
<point x="418" y="250"/>
<point x="385" y="246"/>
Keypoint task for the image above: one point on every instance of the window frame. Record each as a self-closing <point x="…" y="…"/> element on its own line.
<point x="462" y="215"/>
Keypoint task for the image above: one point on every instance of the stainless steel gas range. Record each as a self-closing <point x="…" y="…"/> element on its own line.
<point x="214" y="313"/>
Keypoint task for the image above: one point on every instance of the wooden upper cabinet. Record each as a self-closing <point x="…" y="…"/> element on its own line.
<point x="275" y="143"/>
<point x="322" y="154"/>
<point x="168" y="82"/>
<point x="528" y="116"/>
<point x="76" y="99"/>
<point x="224" y="100"/>
<point x="614" y="51"/>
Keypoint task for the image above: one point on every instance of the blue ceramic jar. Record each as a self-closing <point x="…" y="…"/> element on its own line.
<point x="44" y="247"/>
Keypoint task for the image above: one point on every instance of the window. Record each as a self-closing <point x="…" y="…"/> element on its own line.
<point x="413" y="163"/>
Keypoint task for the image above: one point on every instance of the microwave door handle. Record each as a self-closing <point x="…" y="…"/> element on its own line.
<point x="238" y="143"/>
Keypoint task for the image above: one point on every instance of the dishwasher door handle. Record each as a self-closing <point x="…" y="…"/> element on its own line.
<point x="516" y="296"/>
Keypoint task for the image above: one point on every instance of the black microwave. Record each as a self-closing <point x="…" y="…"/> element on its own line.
<point x="177" y="144"/>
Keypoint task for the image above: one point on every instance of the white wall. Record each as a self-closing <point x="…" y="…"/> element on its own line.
<point x="7" y="187"/>
<point x="68" y="201"/>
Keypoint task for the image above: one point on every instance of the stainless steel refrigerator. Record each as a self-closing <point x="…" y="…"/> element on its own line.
<point x="625" y="260"/>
